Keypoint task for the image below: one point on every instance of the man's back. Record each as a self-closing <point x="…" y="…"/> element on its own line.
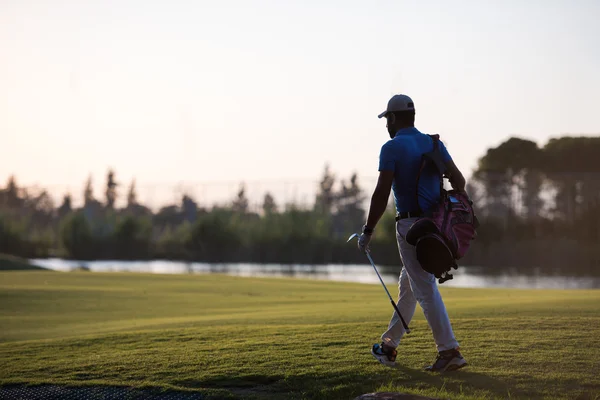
<point x="402" y="154"/>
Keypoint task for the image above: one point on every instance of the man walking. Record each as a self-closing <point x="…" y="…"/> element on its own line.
<point x="399" y="164"/>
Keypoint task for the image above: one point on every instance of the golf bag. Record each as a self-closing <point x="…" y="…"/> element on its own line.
<point x="444" y="234"/>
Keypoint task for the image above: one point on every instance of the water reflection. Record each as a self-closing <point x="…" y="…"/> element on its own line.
<point x="464" y="277"/>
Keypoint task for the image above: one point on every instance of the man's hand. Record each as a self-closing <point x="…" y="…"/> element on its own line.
<point x="364" y="239"/>
<point x="456" y="178"/>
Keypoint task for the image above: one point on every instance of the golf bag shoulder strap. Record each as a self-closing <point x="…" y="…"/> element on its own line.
<point x="434" y="157"/>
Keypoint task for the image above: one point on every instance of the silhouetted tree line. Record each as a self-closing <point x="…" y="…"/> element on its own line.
<point x="539" y="208"/>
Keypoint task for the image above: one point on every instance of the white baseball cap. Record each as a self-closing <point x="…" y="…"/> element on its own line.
<point x="399" y="102"/>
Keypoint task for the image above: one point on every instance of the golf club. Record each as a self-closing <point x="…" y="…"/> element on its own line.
<point x="383" y="284"/>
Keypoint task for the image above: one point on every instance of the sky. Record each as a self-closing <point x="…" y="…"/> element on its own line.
<point x="209" y="94"/>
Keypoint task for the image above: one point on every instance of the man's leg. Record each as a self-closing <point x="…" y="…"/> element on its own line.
<point x="406" y="305"/>
<point x="425" y="291"/>
<point x="386" y="351"/>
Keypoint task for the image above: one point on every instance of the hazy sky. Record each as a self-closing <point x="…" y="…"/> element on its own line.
<point x="254" y="90"/>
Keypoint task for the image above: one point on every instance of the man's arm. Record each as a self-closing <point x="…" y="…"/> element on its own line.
<point x="380" y="198"/>
<point x="456" y="178"/>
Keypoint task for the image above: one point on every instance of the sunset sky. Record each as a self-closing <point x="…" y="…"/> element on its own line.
<point x="269" y="91"/>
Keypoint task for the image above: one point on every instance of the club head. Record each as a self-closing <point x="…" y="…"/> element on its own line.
<point x="352" y="237"/>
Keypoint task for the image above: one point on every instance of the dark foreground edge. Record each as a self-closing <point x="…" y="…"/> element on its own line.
<point x="55" y="392"/>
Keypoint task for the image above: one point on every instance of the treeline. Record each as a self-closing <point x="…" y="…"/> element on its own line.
<point x="539" y="208"/>
<point x="31" y="226"/>
<point x="540" y="205"/>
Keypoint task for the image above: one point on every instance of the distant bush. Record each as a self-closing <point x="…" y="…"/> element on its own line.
<point x="12" y="236"/>
<point x="132" y="238"/>
<point x="13" y="263"/>
<point x="76" y="237"/>
<point x="214" y="238"/>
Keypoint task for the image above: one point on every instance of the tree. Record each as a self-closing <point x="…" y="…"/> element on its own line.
<point x="40" y="208"/>
<point x="88" y="192"/>
<point x="240" y="204"/>
<point x="325" y="200"/>
<point x="66" y="207"/>
<point x="189" y="208"/>
<point x="269" y="205"/>
<point x="168" y="216"/>
<point x="132" y="195"/>
<point x="214" y="237"/>
<point x="509" y="176"/>
<point x="531" y="187"/>
<point x="10" y="196"/>
<point x="76" y="237"/>
<point x="132" y="237"/>
<point x="12" y="236"/>
<point x="42" y="202"/>
<point x="573" y="167"/>
<point x="350" y="212"/>
<point x="133" y="206"/>
<point x="111" y="189"/>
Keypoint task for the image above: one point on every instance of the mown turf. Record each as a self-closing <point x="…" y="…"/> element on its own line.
<point x="230" y="337"/>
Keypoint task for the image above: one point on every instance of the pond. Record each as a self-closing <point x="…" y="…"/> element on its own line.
<point x="468" y="277"/>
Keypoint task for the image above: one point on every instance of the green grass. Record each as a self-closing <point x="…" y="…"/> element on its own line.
<point x="12" y="263"/>
<point x="283" y="338"/>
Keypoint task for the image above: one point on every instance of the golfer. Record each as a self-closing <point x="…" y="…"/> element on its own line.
<point x="399" y="164"/>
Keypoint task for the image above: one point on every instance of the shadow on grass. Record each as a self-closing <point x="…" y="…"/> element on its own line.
<point x="350" y="384"/>
<point x="468" y="382"/>
<point x="346" y="384"/>
<point x="461" y="382"/>
<point x="229" y="382"/>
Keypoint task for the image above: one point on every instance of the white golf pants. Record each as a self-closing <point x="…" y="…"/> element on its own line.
<point x="417" y="285"/>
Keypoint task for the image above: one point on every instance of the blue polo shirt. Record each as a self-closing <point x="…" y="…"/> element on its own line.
<point x="402" y="154"/>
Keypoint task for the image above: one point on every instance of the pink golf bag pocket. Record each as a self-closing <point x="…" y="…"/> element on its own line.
<point x="445" y="234"/>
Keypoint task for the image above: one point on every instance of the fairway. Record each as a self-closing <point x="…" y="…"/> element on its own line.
<point x="233" y="337"/>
